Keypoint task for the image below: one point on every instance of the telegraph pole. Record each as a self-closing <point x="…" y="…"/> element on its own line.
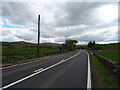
<point x="38" y="35"/>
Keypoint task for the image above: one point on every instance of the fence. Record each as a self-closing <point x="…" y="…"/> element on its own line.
<point x="111" y="66"/>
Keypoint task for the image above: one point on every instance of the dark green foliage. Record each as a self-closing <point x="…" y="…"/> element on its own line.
<point x="93" y="42"/>
<point x="70" y="45"/>
<point x="93" y="45"/>
<point x="90" y="44"/>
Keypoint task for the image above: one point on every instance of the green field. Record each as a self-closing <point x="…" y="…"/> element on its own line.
<point x="14" y="52"/>
<point x="81" y="47"/>
<point x="112" y="46"/>
<point x="22" y="54"/>
<point x="112" y="55"/>
<point x="23" y="51"/>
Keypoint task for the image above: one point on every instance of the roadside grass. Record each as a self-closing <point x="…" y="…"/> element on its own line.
<point x="105" y="79"/>
<point x="112" y="55"/>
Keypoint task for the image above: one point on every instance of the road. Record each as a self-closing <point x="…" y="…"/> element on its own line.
<point x="68" y="70"/>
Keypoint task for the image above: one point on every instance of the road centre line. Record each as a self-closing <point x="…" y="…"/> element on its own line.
<point x="39" y="71"/>
<point x="57" y="63"/>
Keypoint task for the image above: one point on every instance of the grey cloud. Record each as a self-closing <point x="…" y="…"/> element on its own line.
<point x="62" y="39"/>
<point x="10" y="38"/>
<point x="27" y="36"/>
<point x="105" y="36"/>
<point x="17" y="13"/>
<point x="77" y="13"/>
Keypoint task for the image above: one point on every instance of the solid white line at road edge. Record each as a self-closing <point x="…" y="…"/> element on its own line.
<point x="39" y="71"/>
<point x="89" y="74"/>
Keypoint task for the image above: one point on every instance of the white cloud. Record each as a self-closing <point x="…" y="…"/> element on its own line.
<point x="107" y="13"/>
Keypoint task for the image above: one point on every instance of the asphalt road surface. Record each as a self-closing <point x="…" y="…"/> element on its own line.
<point x="68" y="70"/>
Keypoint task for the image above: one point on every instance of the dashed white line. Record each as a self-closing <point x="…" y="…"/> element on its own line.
<point x="37" y="72"/>
<point x="62" y="60"/>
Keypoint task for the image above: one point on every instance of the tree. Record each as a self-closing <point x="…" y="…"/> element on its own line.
<point x="70" y="44"/>
<point x="90" y="44"/>
<point x="62" y="47"/>
<point x="93" y="42"/>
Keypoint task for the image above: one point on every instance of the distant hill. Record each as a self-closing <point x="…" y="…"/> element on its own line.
<point x="51" y="44"/>
<point x="22" y="44"/>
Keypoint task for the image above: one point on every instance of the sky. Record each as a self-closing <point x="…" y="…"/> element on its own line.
<point x="81" y="21"/>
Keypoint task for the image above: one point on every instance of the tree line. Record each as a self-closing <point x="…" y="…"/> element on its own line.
<point x="93" y="45"/>
<point x="70" y="45"/>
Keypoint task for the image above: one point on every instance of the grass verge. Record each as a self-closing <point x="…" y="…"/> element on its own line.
<point x="101" y="76"/>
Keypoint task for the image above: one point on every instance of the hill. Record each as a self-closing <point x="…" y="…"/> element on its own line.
<point x="23" y="44"/>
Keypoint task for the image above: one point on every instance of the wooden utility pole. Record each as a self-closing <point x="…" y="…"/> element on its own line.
<point x="38" y="35"/>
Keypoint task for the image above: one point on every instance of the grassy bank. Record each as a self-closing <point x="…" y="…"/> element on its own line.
<point x="15" y="52"/>
<point x="103" y="78"/>
<point x="112" y="55"/>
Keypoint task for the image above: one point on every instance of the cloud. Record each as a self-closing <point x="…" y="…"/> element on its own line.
<point x="78" y="13"/>
<point x="83" y="21"/>
<point x="14" y="12"/>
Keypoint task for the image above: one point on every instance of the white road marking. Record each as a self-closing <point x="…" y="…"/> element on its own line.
<point x="62" y="60"/>
<point x="9" y="66"/>
<point x="37" y="72"/>
<point x="15" y="65"/>
<point x="89" y="74"/>
<point x="19" y="64"/>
